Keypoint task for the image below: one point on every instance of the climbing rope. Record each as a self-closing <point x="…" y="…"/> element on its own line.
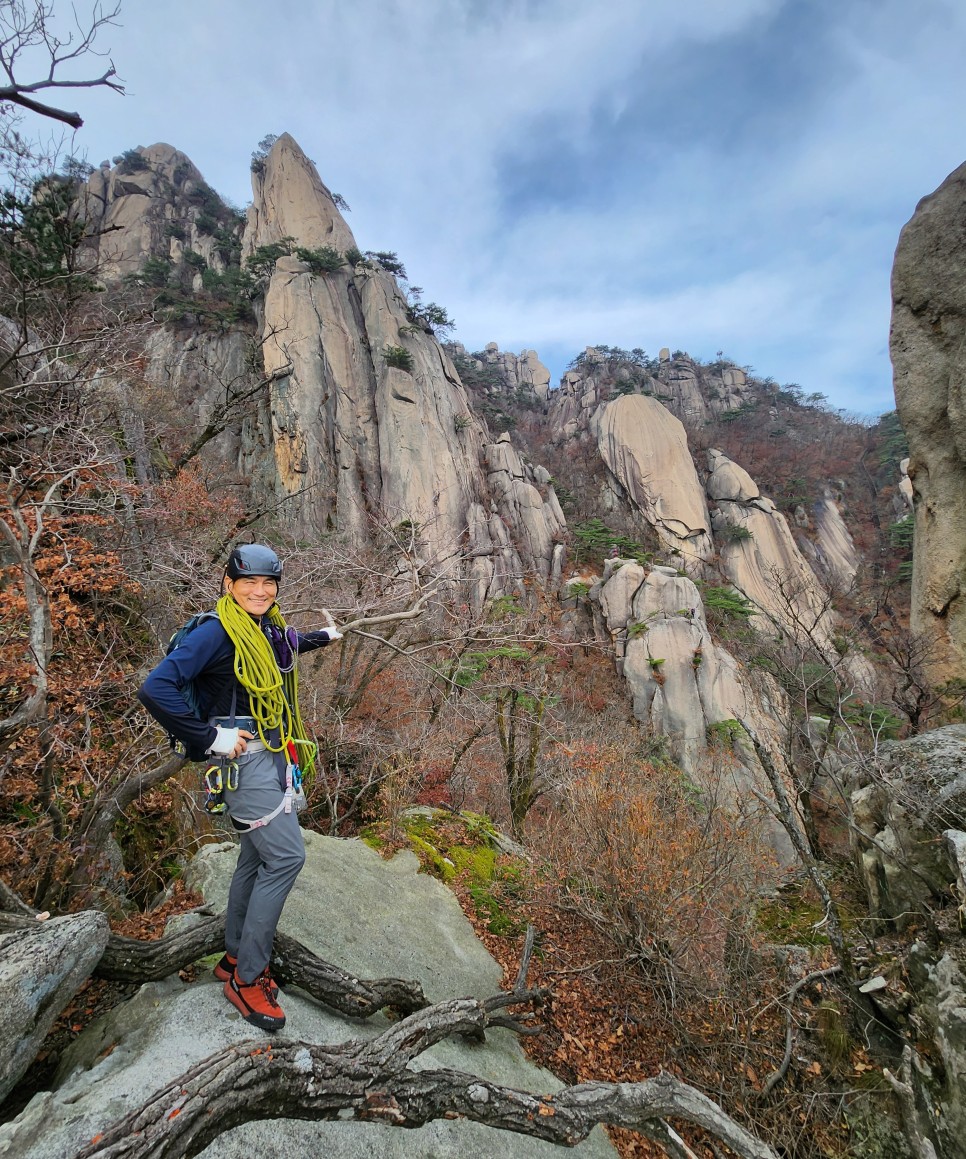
<point x="272" y="694"/>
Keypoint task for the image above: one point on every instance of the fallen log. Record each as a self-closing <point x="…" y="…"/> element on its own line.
<point x="133" y="960"/>
<point x="371" y="1081"/>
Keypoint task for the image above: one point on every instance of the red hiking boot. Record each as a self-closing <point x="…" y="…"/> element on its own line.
<point x="226" y="967"/>
<point x="256" y="1002"/>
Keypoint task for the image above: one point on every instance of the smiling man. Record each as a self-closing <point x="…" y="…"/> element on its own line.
<point x="239" y="663"/>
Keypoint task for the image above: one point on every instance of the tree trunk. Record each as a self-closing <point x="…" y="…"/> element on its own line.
<point x="131" y="960"/>
<point x="371" y="1082"/>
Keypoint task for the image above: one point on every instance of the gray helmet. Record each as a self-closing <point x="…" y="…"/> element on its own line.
<point x="251" y="559"/>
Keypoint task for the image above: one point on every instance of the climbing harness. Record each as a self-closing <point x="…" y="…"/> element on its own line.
<point x="293" y="798"/>
<point x="265" y="666"/>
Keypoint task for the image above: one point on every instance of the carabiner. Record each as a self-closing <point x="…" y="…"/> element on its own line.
<point x="231" y="776"/>
<point x="213" y="780"/>
<point x="214" y="796"/>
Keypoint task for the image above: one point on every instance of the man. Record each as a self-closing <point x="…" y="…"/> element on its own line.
<point x="241" y="663"/>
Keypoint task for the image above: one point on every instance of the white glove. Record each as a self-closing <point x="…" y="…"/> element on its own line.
<point x="225" y="742"/>
<point x="334" y="633"/>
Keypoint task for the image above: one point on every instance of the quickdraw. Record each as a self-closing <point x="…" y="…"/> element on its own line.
<point x="219" y="777"/>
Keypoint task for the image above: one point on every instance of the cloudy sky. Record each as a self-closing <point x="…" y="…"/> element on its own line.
<point x="699" y="174"/>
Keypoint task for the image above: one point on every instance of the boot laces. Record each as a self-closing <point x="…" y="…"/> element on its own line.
<point x="264" y="983"/>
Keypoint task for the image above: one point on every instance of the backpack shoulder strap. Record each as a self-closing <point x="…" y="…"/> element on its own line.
<point x="187" y="627"/>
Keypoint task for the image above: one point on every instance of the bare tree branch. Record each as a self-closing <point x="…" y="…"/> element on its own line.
<point x="23" y="30"/>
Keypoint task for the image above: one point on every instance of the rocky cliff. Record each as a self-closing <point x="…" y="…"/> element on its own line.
<point x="929" y="362"/>
<point x="363" y="421"/>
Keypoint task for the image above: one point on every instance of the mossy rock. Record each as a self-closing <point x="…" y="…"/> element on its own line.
<point x="459" y="846"/>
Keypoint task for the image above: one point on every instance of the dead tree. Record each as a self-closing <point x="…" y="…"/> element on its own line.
<point x="370" y="1081"/>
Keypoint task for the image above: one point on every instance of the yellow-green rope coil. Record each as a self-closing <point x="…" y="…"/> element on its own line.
<point x="272" y="694"/>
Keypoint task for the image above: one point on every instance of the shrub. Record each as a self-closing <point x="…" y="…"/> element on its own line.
<point x="194" y="259"/>
<point x="740" y="412"/>
<point x="389" y="261"/>
<point x="735" y="533"/>
<point x="901" y="533"/>
<point x="203" y="197"/>
<point x="431" y="317"/>
<point x="77" y="170"/>
<point x="154" y="272"/>
<point x="228" y="244"/>
<point x="724" y="733"/>
<point x="324" y="260"/>
<point x="877" y="719"/>
<point x="894" y="446"/>
<point x="593" y="539"/>
<point x="261" y="262"/>
<point x="727" y="602"/>
<point x="399" y="358"/>
<point x="651" y="865"/>
<point x="262" y="151"/>
<point x="130" y="161"/>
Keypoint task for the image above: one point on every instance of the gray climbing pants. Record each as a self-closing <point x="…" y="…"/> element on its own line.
<point x="268" y="863"/>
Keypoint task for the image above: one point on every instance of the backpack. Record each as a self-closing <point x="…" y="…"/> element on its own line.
<point x="190" y="690"/>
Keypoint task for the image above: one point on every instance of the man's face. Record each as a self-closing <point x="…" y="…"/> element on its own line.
<point x="254" y="594"/>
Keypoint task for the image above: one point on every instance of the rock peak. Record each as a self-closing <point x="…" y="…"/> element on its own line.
<point x="291" y="200"/>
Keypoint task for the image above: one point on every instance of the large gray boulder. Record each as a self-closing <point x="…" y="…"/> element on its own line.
<point x="683" y="683"/>
<point x="902" y="805"/>
<point x="760" y="557"/>
<point x="929" y="364"/>
<point x="645" y="448"/>
<point x="41" y="969"/>
<point x="372" y="917"/>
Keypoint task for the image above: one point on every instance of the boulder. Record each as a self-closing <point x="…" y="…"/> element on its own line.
<point x="41" y="969"/>
<point x="535" y="523"/>
<point x="915" y="793"/>
<point x="729" y="481"/>
<point x="646" y="451"/>
<point x="832" y="551"/>
<point x="683" y="683"/>
<point x="373" y="917"/>
<point x="760" y="557"/>
<point x="937" y="1019"/>
<point x="679" y="388"/>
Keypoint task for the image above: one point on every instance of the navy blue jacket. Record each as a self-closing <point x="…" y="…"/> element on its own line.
<point x="206" y="655"/>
